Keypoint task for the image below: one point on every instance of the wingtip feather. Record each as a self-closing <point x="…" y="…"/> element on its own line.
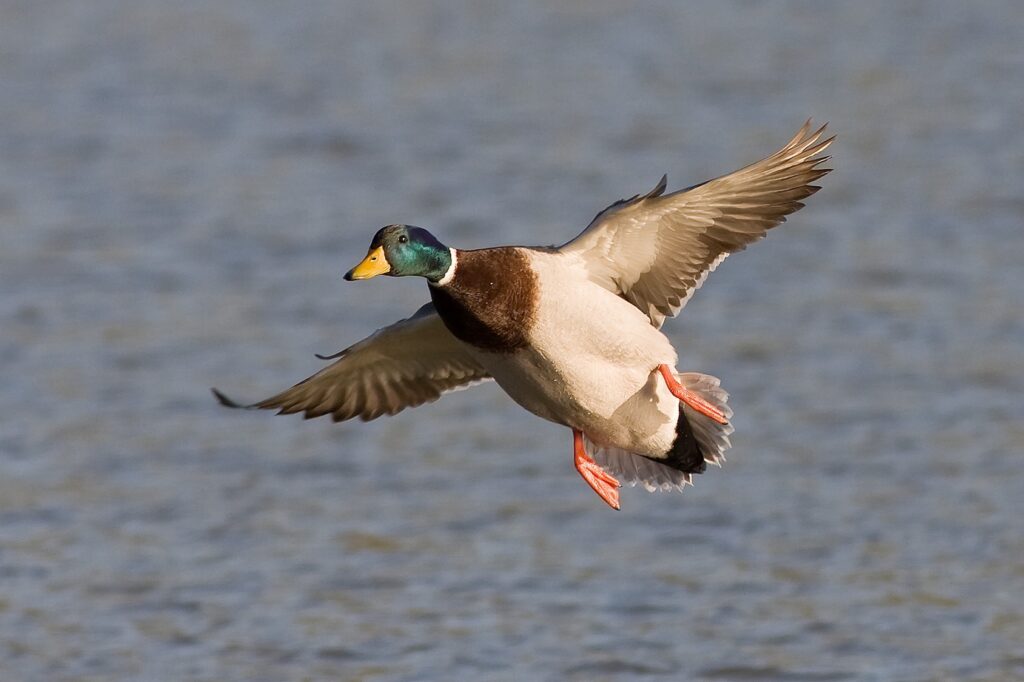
<point x="226" y="401"/>
<point x="659" y="188"/>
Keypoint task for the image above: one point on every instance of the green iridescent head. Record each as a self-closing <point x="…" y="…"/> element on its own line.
<point x="403" y="251"/>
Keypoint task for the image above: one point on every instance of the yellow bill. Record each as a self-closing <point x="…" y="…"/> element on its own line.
<point x="374" y="264"/>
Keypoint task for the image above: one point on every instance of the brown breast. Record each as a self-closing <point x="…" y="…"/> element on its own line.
<point x="491" y="301"/>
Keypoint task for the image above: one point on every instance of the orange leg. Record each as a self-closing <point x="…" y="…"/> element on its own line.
<point x="603" y="483"/>
<point x="691" y="398"/>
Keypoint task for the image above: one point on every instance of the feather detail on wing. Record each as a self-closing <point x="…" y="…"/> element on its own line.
<point x="409" y="363"/>
<point x="655" y="250"/>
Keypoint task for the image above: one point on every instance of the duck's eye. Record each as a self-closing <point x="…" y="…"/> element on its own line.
<point x="403" y="239"/>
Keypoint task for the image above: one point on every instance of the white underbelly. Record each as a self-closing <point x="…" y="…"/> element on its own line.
<point x="591" y="366"/>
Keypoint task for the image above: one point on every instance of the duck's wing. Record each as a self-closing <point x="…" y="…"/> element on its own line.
<point x="655" y="250"/>
<point x="411" y="362"/>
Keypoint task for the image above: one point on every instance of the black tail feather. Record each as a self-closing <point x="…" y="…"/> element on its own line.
<point x="686" y="454"/>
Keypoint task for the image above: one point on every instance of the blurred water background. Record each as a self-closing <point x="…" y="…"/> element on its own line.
<point x="182" y="185"/>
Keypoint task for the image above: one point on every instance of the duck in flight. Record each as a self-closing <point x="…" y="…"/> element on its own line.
<point x="572" y="333"/>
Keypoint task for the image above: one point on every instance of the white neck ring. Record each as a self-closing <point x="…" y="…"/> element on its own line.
<point x="450" y="272"/>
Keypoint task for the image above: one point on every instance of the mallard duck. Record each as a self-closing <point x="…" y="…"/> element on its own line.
<point x="572" y="333"/>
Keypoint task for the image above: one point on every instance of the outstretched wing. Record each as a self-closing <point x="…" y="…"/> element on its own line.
<point x="655" y="250"/>
<point x="411" y="362"/>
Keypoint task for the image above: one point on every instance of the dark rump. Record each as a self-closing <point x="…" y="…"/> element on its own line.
<point x="685" y="455"/>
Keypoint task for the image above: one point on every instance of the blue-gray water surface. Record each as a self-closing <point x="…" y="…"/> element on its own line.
<point x="182" y="185"/>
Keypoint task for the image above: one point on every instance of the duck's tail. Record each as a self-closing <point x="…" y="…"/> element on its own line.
<point x="712" y="439"/>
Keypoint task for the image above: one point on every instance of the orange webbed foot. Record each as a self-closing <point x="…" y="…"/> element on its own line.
<point x="604" y="484"/>
<point x="690" y="398"/>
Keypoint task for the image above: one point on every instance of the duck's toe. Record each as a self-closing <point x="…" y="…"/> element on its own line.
<point x="601" y="482"/>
